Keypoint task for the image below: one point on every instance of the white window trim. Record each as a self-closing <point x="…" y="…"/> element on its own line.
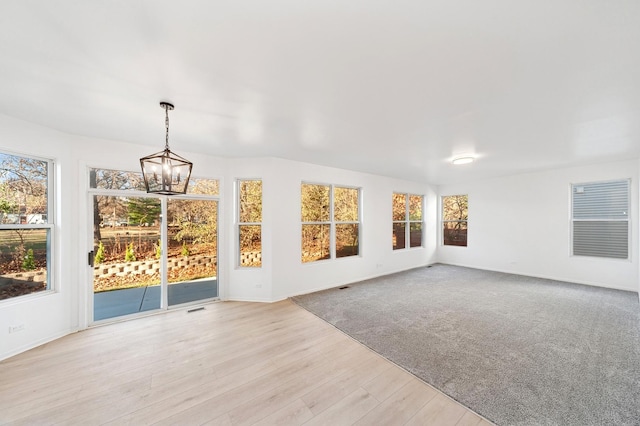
<point x="239" y="223"/>
<point x="442" y="221"/>
<point x="407" y="221"/>
<point x="52" y="259"/>
<point x="332" y="223"/>
<point x="628" y="220"/>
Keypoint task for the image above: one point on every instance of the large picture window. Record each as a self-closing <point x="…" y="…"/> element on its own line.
<point x="26" y="225"/>
<point x="250" y="222"/>
<point x="330" y="218"/>
<point x="455" y="212"/>
<point x="600" y="219"/>
<point x="407" y="220"/>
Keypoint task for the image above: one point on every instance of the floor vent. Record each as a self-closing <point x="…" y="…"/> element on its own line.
<point x="342" y="288"/>
<point x="201" y="308"/>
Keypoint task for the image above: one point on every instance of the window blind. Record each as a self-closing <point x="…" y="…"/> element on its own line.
<point x="601" y="219"/>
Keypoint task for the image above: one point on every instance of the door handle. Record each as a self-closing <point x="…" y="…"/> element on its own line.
<point x="90" y="258"/>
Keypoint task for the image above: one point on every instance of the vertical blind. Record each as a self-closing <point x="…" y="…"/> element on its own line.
<point x="600" y="216"/>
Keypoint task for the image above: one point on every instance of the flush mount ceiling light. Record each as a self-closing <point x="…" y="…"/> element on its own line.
<point x="463" y="160"/>
<point x="164" y="172"/>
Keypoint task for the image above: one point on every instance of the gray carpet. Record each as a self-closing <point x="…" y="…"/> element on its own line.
<point x="515" y="349"/>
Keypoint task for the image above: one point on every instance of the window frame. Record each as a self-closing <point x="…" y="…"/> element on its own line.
<point x="49" y="227"/>
<point x="239" y="223"/>
<point x="129" y="191"/>
<point x="335" y="223"/>
<point x="572" y="219"/>
<point x="408" y="222"/>
<point x="332" y="222"/>
<point x="443" y="221"/>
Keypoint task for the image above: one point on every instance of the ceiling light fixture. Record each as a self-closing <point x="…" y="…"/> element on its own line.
<point x="164" y="172"/>
<point x="463" y="160"/>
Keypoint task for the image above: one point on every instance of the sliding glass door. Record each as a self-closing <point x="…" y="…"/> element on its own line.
<point x="150" y="252"/>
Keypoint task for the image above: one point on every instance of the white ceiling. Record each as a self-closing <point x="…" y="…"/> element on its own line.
<point x="396" y="88"/>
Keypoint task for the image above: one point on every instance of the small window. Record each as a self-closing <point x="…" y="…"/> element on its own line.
<point x="250" y="222"/>
<point x="132" y="181"/>
<point x="600" y="219"/>
<point x="330" y="218"/>
<point x="407" y="220"/>
<point x="454" y="220"/>
<point x="26" y="225"/>
<point x="116" y="179"/>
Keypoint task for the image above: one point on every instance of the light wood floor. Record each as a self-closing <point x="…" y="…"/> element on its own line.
<point x="232" y="363"/>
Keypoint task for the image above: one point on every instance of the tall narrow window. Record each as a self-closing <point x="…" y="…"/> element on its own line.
<point x="347" y="221"/>
<point x="415" y="220"/>
<point x="407" y="220"/>
<point x="316" y="222"/>
<point x="26" y="225"/>
<point x="454" y="220"/>
<point x="330" y="221"/>
<point x="250" y="222"/>
<point x="600" y="217"/>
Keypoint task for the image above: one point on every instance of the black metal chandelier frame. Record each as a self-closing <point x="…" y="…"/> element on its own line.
<point x="165" y="172"/>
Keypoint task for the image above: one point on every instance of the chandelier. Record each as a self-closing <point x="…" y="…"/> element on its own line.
<point x="165" y="172"/>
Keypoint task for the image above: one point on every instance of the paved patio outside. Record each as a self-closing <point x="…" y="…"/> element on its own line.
<point x="115" y="303"/>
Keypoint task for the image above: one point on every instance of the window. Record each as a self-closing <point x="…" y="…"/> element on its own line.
<point x="165" y="247"/>
<point x="250" y="222"/>
<point x="347" y="221"/>
<point x="600" y="218"/>
<point x="407" y="220"/>
<point x="132" y="181"/>
<point x="330" y="221"/>
<point x="26" y="225"/>
<point x="454" y="220"/>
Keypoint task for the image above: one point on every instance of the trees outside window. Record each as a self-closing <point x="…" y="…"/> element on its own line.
<point x="250" y="222"/>
<point x="127" y="224"/>
<point x="347" y="221"/>
<point x="26" y="225"/>
<point x="330" y="218"/>
<point x="454" y="220"/>
<point x="407" y="220"/>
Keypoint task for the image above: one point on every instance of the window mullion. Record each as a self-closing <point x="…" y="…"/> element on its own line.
<point x="407" y="225"/>
<point x="332" y="225"/>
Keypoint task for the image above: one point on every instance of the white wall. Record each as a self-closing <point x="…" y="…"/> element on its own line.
<point x="47" y="315"/>
<point x="282" y="201"/>
<point x="517" y="224"/>
<point x="249" y="284"/>
<point x="521" y="224"/>
<point x="67" y="308"/>
<point x="283" y="274"/>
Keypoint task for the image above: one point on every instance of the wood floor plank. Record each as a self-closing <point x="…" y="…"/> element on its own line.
<point x="400" y="406"/>
<point x="387" y="383"/>
<point x="231" y="363"/>
<point x="347" y="411"/>
<point x="469" y="419"/>
<point x="291" y="390"/>
<point x="223" y="396"/>
<point x="223" y="420"/>
<point x="363" y="369"/>
<point x="441" y="410"/>
<point x="296" y="413"/>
